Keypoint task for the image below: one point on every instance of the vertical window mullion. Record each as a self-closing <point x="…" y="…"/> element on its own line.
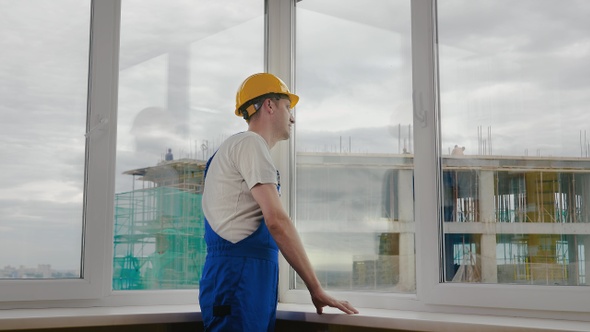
<point x="426" y="167"/>
<point x="101" y="142"/>
<point x="280" y="50"/>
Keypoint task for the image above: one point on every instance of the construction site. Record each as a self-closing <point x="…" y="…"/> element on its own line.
<point x="517" y="220"/>
<point x="510" y="220"/>
<point x="504" y="220"/>
<point x="158" y="242"/>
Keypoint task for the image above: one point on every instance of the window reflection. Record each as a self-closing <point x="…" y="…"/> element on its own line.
<point x="43" y="107"/>
<point x="515" y="199"/>
<point x="505" y="206"/>
<point x="354" y="193"/>
<point x="181" y="63"/>
<point x="357" y="221"/>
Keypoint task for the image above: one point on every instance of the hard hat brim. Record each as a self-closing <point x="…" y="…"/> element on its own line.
<point x="293" y="98"/>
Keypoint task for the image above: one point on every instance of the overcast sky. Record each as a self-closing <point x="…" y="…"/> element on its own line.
<point x="517" y="68"/>
<point x="521" y="69"/>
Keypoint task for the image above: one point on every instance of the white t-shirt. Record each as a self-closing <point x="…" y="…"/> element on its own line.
<point x="241" y="162"/>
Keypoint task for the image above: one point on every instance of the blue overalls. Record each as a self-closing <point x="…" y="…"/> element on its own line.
<point x="239" y="284"/>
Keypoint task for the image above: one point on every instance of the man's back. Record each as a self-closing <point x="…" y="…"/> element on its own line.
<point x="241" y="162"/>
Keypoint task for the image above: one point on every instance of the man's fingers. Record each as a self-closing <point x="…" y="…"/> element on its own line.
<point x="345" y="307"/>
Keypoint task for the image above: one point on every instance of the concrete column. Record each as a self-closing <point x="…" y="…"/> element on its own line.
<point x="585" y="182"/>
<point x="583" y="186"/>
<point x="585" y="240"/>
<point x="407" y="257"/>
<point x="486" y="197"/>
<point x="489" y="268"/>
<point x="405" y="195"/>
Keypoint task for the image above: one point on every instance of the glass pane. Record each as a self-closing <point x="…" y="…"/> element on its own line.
<point x="354" y="150"/>
<point x="43" y="93"/>
<point x="181" y="64"/>
<point x="514" y="87"/>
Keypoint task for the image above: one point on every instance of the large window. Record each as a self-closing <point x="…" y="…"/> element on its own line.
<point x="56" y="100"/>
<point x="181" y="63"/>
<point x="439" y="163"/>
<point x="354" y="151"/>
<point x="43" y="107"/>
<point x="516" y="174"/>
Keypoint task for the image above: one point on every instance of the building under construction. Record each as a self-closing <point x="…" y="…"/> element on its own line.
<point x="159" y="228"/>
<point x="503" y="220"/>
<point x="518" y="220"/>
<point x="508" y="220"/>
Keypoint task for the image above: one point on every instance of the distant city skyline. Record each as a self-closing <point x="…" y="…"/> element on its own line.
<point x="44" y="271"/>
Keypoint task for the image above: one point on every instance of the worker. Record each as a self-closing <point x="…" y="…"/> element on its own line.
<point x="458" y="151"/>
<point x="245" y="223"/>
<point x="169" y="155"/>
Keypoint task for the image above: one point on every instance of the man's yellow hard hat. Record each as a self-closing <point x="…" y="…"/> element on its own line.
<point x="259" y="85"/>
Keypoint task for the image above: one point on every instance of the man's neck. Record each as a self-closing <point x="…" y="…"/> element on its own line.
<point x="266" y="135"/>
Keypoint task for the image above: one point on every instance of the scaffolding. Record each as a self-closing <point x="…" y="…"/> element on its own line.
<point x="158" y="242"/>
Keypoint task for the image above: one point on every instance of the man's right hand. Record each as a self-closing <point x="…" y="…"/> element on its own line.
<point x="321" y="299"/>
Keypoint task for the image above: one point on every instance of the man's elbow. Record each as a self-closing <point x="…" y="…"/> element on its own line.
<point x="276" y="224"/>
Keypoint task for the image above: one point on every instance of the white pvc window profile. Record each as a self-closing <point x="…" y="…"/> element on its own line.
<point x="512" y="300"/>
<point x="94" y="281"/>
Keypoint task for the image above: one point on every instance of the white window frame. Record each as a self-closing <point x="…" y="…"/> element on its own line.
<point x="94" y="288"/>
<point x="284" y="39"/>
<point x="508" y="299"/>
<point x="99" y="173"/>
<point x="559" y="302"/>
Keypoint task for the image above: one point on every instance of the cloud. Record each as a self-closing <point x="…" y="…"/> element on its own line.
<point x="521" y="72"/>
<point x="40" y="232"/>
<point x="43" y="70"/>
<point x="150" y="29"/>
<point x="352" y="76"/>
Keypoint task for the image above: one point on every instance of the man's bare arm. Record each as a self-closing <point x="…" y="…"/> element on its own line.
<point x="285" y="235"/>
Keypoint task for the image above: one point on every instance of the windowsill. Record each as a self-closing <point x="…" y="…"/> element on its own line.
<point x="14" y="319"/>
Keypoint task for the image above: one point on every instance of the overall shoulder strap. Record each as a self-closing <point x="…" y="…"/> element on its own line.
<point x="207" y="165"/>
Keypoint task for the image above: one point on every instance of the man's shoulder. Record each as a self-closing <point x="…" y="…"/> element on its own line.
<point x="245" y="138"/>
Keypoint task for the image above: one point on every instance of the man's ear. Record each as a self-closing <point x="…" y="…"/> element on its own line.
<point x="268" y="103"/>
